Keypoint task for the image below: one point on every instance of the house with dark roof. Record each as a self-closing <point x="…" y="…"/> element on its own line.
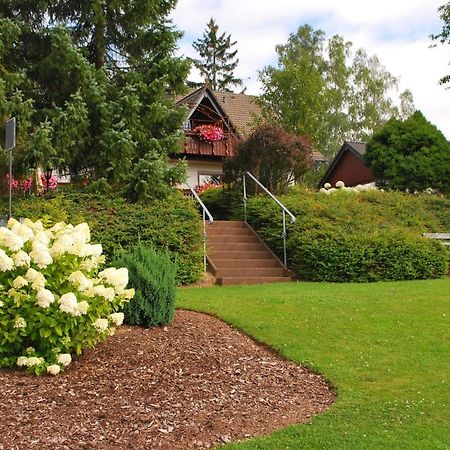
<point x="348" y="166"/>
<point x="215" y="123"/>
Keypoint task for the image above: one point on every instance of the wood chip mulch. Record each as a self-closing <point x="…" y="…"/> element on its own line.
<point x="195" y="384"/>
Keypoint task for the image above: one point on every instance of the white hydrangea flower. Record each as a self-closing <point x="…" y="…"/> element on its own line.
<point x="322" y="190"/>
<point x="41" y="257"/>
<point x="327" y="185"/>
<point x="26" y="233"/>
<point x="21" y="259"/>
<point x="10" y="240"/>
<point x="1" y="303"/>
<point x="128" y="294"/>
<point x="80" y="281"/>
<point x="28" y="222"/>
<point x="117" y="277"/>
<point x="36" y="279"/>
<point x="65" y="359"/>
<point x="340" y="184"/>
<point x="54" y="369"/>
<point x="83" y="228"/>
<point x="22" y="361"/>
<point x="58" y="227"/>
<point x="34" y="361"/>
<point x="61" y="245"/>
<point x="41" y="237"/>
<point x="92" y="263"/>
<point x="20" y="323"/>
<point x="101" y="324"/>
<point x="6" y="263"/>
<point x="19" y="282"/>
<point x="68" y="303"/>
<point x="94" y="250"/>
<point x="117" y="318"/>
<point x="44" y="298"/>
<point x="82" y="308"/>
<point x="11" y="222"/>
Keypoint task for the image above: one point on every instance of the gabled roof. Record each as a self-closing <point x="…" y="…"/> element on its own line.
<point x="193" y="100"/>
<point x="240" y="109"/>
<point x="355" y="147"/>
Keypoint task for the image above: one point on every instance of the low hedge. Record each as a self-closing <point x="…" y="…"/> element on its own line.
<point x="349" y="237"/>
<point x="173" y="224"/>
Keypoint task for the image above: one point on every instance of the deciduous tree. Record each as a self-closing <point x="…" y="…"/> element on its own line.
<point x="276" y="157"/>
<point x="321" y="89"/>
<point x="444" y="35"/>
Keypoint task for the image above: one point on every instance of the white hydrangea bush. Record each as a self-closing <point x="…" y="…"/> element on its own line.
<point x="341" y="187"/>
<point x="54" y="298"/>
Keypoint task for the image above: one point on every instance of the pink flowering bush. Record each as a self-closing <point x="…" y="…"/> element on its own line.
<point x="54" y="298"/>
<point x="25" y="184"/>
<point x="209" y="133"/>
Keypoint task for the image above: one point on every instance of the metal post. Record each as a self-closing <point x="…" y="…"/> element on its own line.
<point x="204" y="242"/>
<point x="245" y="197"/>
<point x="10" y="185"/>
<point x="284" y="238"/>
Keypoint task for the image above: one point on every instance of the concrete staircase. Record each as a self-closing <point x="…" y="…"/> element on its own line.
<point x="236" y="255"/>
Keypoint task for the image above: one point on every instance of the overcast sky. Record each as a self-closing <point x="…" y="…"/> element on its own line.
<point x="397" y="31"/>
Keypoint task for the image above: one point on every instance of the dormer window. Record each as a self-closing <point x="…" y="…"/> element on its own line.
<point x="187" y="125"/>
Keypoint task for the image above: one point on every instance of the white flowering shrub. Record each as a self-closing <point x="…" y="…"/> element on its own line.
<point x="340" y="187"/>
<point x="54" y="298"/>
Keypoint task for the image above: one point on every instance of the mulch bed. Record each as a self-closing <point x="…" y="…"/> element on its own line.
<point x="195" y="384"/>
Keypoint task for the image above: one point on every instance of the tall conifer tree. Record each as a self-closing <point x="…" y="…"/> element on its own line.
<point x="217" y="59"/>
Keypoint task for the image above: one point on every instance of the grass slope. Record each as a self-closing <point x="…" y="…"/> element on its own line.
<point x="384" y="346"/>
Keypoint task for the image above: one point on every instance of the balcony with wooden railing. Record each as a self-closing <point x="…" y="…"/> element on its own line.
<point x="194" y="146"/>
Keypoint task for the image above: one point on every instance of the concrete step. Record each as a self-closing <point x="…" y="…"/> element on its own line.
<point x="232" y="254"/>
<point x="211" y="230"/>
<point x="228" y="224"/>
<point x="232" y="238"/>
<point x="252" y="280"/>
<point x="245" y="263"/>
<point x="251" y="272"/>
<point x="235" y="246"/>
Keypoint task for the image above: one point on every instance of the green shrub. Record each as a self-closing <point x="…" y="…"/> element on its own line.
<point x="357" y="237"/>
<point x="172" y="224"/>
<point x="224" y="203"/>
<point x="153" y="277"/>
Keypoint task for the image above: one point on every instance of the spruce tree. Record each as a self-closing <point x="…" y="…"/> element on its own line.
<point x="217" y="59"/>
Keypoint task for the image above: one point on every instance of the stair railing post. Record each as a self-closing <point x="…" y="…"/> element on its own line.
<point x="245" y="197"/>
<point x="204" y="241"/>
<point x="284" y="238"/>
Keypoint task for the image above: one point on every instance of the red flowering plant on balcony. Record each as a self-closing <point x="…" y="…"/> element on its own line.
<point x="209" y="133"/>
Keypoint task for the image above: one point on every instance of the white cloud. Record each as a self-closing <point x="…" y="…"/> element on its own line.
<point x="396" y="31"/>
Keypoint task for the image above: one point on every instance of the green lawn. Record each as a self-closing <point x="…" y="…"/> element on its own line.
<point x="384" y="346"/>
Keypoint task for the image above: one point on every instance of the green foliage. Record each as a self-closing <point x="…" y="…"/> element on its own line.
<point x="276" y="158"/>
<point x="410" y="155"/>
<point x="152" y="178"/>
<point x="53" y="299"/>
<point x="224" y="203"/>
<point x="172" y="224"/>
<point x="88" y="83"/>
<point x="379" y="345"/>
<point x="444" y="35"/>
<point x="357" y="237"/>
<point x="153" y="276"/>
<point x="217" y="62"/>
<point x="321" y="90"/>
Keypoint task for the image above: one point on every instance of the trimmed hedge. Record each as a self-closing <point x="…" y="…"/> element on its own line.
<point x="153" y="277"/>
<point x="351" y="237"/>
<point x="173" y="224"/>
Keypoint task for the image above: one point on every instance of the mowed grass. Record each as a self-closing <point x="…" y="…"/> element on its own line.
<point x="383" y="346"/>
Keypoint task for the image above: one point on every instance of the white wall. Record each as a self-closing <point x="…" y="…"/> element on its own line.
<point x="196" y="168"/>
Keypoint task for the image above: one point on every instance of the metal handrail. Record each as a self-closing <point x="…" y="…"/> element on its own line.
<point x="283" y="208"/>
<point x="205" y="212"/>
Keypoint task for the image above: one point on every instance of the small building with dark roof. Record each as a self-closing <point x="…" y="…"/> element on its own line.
<point x="348" y="166"/>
